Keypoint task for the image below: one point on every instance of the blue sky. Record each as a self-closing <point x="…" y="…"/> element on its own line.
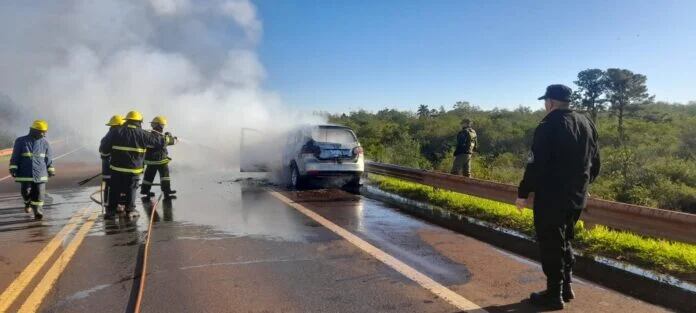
<point x="345" y="55"/>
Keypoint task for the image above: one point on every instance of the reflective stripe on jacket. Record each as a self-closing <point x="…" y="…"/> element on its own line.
<point x="159" y="156"/>
<point x="32" y="159"/>
<point x="126" y="146"/>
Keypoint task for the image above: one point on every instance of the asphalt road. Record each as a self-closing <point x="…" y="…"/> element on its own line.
<point x="233" y="246"/>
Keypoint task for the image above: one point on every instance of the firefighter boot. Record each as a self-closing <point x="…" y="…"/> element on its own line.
<point x="27" y="207"/>
<point x="171" y="194"/>
<point x="567" y="288"/>
<point x="549" y="298"/>
<point x="132" y="213"/>
<point x="38" y="212"/>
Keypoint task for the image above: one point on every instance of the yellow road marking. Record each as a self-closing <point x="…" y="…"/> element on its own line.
<point x="34" y="300"/>
<point x="426" y="282"/>
<point x="22" y="281"/>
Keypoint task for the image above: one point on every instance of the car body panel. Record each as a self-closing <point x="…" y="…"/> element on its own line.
<point x="334" y="159"/>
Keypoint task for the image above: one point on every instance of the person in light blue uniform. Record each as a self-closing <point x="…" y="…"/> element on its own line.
<point x="31" y="165"/>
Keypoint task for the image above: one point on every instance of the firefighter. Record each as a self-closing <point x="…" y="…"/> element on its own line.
<point x="126" y="146"/>
<point x="31" y="164"/>
<point x="563" y="162"/>
<point x="157" y="160"/>
<point x="115" y="121"/>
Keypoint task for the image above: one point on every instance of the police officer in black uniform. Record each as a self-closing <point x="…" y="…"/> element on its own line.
<point x="563" y="162"/>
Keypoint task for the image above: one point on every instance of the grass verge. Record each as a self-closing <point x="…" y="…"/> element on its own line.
<point x="663" y="256"/>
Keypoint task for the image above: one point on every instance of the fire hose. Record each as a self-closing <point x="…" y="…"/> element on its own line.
<point x="146" y="251"/>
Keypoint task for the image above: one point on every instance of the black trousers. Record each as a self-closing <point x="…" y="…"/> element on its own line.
<point x="106" y="179"/>
<point x="150" y="173"/>
<point x="33" y="195"/>
<point x="122" y="183"/>
<point x="554" y="240"/>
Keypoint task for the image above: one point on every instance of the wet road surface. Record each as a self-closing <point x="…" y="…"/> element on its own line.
<point x="226" y="246"/>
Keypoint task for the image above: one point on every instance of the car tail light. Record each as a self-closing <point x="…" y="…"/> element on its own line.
<point x="357" y="151"/>
<point x="310" y="149"/>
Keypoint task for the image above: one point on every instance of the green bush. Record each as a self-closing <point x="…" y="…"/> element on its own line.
<point x="659" y="255"/>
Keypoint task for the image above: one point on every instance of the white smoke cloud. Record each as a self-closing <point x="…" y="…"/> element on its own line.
<point x="170" y="7"/>
<point x="77" y="62"/>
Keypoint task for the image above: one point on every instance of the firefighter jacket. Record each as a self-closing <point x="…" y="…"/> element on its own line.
<point x="563" y="162"/>
<point x="466" y="141"/>
<point x="31" y="159"/>
<point x="106" y="160"/>
<point x="126" y="147"/>
<point x="159" y="156"/>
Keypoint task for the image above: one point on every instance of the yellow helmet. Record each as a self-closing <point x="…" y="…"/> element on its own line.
<point x="159" y="120"/>
<point x="134" y="116"/>
<point x="116" y="120"/>
<point x="40" y="125"/>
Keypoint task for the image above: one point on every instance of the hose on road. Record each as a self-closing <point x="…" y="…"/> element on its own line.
<point x="143" y="273"/>
<point x="98" y="201"/>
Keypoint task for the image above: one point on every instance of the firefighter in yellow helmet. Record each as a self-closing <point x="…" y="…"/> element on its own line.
<point x="115" y="121"/>
<point x="126" y="146"/>
<point x="157" y="160"/>
<point x="31" y="164"/>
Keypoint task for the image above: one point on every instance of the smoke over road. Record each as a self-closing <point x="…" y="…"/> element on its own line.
<point x="75" y="63"/>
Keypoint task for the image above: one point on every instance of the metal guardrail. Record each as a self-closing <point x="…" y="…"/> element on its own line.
<point x="642" y="220"/>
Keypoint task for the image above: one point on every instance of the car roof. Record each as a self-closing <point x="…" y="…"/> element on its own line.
<point x="309" y="126"/>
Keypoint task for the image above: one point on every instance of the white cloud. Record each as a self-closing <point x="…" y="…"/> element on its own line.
<point x="170" y="7"/>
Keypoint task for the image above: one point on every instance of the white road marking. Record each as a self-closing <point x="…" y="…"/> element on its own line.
<point x="426" y="282"/>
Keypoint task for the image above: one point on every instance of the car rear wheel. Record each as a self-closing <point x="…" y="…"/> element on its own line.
<point x="353" y="184"/>
<point x="296" y="180"/>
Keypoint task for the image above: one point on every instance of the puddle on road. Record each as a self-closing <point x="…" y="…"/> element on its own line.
<point x="222" y="205"/>
<point x="219" y="205"/>
<point x="60" y="206"/>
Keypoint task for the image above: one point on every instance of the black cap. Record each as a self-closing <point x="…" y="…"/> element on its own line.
<point x="557" y="92"/>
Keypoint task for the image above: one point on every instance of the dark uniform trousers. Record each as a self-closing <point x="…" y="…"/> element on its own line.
<point x="106" y="179"/>
<point x="33" y="195"/>
<point x="462" y="165"/>
<point x="122" y="183"/>
<point x="554" y="239"/>
<point x="150" y="172"/>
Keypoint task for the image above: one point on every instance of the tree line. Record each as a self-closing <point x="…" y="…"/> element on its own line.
<point x="648" y="147"/>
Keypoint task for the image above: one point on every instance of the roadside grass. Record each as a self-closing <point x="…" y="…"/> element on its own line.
<point x="659" y="255"/>
<point x="5" y="158"/>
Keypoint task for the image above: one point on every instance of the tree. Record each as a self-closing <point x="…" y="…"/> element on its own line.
<point x="626" y="91"/>
<point x="591" y="86"/>
<point x="423" y="111"/>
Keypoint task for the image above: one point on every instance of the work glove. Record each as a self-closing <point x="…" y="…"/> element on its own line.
<point x="13" y="172"/>
<point x="170" y="138"/>
<point x="51" y="174"/>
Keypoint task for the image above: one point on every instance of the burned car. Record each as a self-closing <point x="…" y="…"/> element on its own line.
<point x="323" y="154"/>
